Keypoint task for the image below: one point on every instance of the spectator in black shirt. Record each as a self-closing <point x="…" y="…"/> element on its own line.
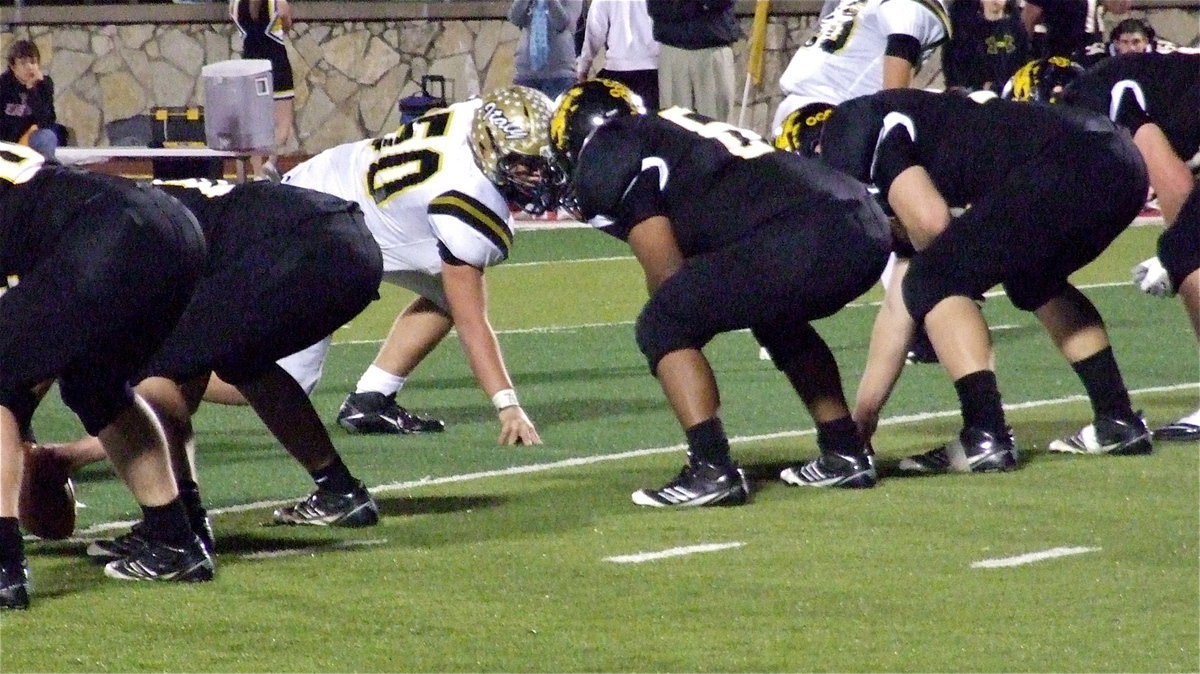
<point x="27" y="101"/>
<point x="987" y="46"/>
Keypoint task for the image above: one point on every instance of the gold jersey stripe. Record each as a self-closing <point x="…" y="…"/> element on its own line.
<point x="477" y="215"/>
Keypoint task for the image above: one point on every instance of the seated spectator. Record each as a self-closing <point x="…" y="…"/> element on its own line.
<point x="987" y="45"/>
<point x="1130" y="36"/>
<point x="27" y="101"/>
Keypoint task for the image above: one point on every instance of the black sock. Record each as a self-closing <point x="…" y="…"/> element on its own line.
<point x="979" y="397"/>
<point x="707" y="442"/>
<point x="12" y="548"/>
<point x="839" y="436"/>
<point x="1105" y="388"/>
<point x="168" y="523"/>
<point x="189" y="493"/>
<point x="335" y="477"/>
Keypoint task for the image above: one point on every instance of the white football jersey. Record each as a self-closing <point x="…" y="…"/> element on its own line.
<point x="419" y="189"/>
<point x="845" y="58"/>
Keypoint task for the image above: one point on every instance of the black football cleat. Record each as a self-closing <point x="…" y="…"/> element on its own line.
<point x="126" y="545"/>
<point x="162" y="562"/>
<point x="135" y="540"/>
<point x="371" y="412"/>
<point x="834" y="470"/>
<point x="698" y="484"/>
<point x="973" y="451"/>
<point x="14" y="586"/>
<point x="325" y="508"/>
<point x="1185" y="430"/>
<point x="1108" y="436"/>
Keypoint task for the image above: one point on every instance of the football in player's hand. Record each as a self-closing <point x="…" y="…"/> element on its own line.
<point x="47" y="502"/>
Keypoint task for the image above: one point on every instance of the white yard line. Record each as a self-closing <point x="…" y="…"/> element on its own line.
<point x="310" y="549"/>
<point x="630" y="454"/>
<point x="1030" y="557"/>
<point x="672" y="552"/>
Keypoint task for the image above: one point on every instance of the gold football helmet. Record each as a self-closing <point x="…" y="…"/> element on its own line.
<point x="1042" y="80"/>
<point x="510" y="138"/>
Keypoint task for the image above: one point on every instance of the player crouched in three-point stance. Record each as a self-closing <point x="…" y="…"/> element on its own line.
<point x="1156" y="97"/>
<point x="731" y="234"/>
<point x="285" y="267"/>
<point x="97" y="269"/>
<point x="1016" y="165"/>
<point x="436" y="198"/>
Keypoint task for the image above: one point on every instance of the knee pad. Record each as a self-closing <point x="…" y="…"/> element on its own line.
<point x="786" y="346"/>
<point x="659" y="334"/>
<point x="95" y="406"/>
<point x="1178" y="249"/>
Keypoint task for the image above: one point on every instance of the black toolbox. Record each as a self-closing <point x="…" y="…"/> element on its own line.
<point x="182" y="127"/>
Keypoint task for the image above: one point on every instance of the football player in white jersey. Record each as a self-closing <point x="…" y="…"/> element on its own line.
<point x="861" y="46"/>
<point x="436" y="195"/>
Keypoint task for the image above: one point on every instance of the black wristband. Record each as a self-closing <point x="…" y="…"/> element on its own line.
<point x="904" y="46"/>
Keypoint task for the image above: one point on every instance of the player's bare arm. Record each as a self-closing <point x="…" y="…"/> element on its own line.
<point x="890" y="337"/>
<point x="466" y="294"/>
<point x="654" y="245"/>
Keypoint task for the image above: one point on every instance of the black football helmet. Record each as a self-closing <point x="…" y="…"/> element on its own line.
<point x="1042" y="80"/>
<point x="801" y="132"/>
<point x="582" y="109"/>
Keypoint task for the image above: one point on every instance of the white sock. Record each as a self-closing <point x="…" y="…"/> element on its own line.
<point x="379" y="380"/>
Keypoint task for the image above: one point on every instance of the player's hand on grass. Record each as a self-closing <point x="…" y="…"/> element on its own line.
<point x="516" y="428"/>
<point x="1151" y="277"/>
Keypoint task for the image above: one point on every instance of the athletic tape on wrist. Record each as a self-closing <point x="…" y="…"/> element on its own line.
<point x="505" y="398"/>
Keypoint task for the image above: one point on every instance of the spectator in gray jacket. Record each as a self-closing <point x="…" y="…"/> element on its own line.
<point x="545" y="56"/>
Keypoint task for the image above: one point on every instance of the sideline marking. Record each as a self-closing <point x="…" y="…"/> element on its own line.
<point x="289" y="552"/>
<point x="629" y="454"/>
<point x="672" y="552"/>
<point x="1030" y="557"/>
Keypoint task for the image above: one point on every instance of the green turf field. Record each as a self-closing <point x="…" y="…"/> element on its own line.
<point x="502" y="559"/>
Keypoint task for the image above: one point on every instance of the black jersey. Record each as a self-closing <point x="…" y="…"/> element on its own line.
<point x="714" y="182"/>
<point x="233" y="215"/>
<point x="967" y="148"/>
<point x="1170" y="85"/>
<point x="40" y="202"/>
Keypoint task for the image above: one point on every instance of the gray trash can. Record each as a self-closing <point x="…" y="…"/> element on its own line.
<point x="239" y="105"/>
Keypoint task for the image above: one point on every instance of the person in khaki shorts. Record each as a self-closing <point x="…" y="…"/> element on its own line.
<point x="695" y="64"/>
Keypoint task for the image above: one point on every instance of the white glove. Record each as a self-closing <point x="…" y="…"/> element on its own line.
<point x="1151" y="277"/>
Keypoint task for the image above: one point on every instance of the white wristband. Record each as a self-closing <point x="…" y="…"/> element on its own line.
<point x="505" y="398"/>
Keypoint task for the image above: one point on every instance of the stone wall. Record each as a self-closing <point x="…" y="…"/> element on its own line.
<point x="350" y="73"/>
